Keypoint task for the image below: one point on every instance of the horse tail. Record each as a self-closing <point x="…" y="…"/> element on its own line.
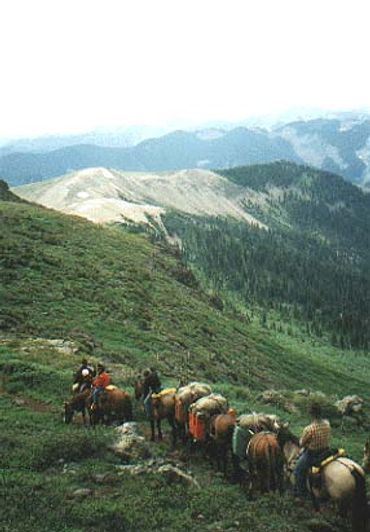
<point x="275" y="461"/>
<point x="271" y="480"/>
<point x="359" y="503"/>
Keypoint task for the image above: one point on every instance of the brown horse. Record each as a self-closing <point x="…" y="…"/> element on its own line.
<point x="158" y="407"/>
<point x="266" y="462"/>
<point x="113" y="405"/>
<point x="163" y="405"/>
<point x="341" y="480"/>
<point x="80" y="402"/>
<point x="221" y="430"/>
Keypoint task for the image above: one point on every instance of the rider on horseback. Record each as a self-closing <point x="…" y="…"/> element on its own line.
<point x="151" y="384"/>
<point x="101" y="381"/>
<point x="83" y="376"/>
<point x="315" y="440"/>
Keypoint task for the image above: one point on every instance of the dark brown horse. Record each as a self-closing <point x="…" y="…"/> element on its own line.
<point x="113" y="405"/>
<point x="80" y="402"/>
<point x="221" y="430"/>
<point x="266" y="462"/>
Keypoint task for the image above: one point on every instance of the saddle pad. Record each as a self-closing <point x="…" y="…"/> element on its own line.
<point x="111" y="387"/>
<point x="166" y="391"/>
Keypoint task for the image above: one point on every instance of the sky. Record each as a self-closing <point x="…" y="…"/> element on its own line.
<point x="69" y="66"/>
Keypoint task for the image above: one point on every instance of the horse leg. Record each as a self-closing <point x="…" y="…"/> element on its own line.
<point x="159" y="430"/>
<point x="236" y="474"/>
<point x="214" y="454"/>
<point x="314" y="499"/>
<point x="152" y="428"/>
<point x="280" y="477"/>
<point x="172" y="422"/>
<point x="223" y="456"/>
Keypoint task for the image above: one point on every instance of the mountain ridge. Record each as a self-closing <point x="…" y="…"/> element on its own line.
<point x="140" y="196"/>
<point x="338" y="145"/>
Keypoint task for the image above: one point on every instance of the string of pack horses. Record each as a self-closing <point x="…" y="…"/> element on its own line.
<point x="263" y="452"/>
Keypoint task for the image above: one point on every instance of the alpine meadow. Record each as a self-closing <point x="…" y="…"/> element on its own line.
<point x="251" y="279"/>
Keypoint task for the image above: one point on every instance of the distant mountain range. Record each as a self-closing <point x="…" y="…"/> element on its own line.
<point x="340" y="145"/>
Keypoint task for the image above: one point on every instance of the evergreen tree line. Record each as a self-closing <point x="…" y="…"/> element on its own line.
<point x="276" y="269"/>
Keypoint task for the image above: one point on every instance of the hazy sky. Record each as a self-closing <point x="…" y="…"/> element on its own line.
<point x="73" y="65"/>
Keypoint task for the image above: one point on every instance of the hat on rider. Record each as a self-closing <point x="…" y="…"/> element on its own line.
<point x="85" y="372"/>
<point x="315" y="410"/>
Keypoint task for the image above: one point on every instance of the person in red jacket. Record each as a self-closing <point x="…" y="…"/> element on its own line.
<point x="101" y="381"/>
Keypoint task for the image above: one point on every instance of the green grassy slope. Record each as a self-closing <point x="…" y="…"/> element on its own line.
<point x="131" y="303"/>
<point x="65" y="277"/>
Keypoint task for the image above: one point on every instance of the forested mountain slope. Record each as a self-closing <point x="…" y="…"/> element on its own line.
<point x="311" y="263"/>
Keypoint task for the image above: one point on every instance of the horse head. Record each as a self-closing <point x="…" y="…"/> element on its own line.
<point x="289" y="444"/>
<point x="275" y="423"/>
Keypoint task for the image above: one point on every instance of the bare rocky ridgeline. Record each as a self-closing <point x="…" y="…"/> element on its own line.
<point x="103" y="195"/>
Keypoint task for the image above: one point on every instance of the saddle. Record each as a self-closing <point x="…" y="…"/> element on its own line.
<point x="164" y="392"/>
<point x="326" y="457"/>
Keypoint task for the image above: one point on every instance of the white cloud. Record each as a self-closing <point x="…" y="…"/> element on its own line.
<point x="72" y="65"/>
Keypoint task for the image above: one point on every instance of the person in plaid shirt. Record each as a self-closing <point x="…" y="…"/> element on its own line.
<point x="314" y="440"/>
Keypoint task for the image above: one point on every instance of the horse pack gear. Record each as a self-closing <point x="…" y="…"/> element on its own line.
<point x="325" y="458"/>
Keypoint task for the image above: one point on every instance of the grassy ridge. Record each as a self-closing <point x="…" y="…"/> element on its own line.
<point x="66" y="277"/>
<point x="131" y="303"/>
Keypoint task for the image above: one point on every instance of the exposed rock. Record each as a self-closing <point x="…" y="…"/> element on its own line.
<point x="130" y="445"/>
<point x="350" y="405"/>
<point x="66" y="347"/>
<point x="302" y="392"/>
<point x="174" y="474"/>
<point x="103" y="478"/>
<point x="19" y="402"/>
<point x="272" y="397"/>
<point x="82" y="493"/>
